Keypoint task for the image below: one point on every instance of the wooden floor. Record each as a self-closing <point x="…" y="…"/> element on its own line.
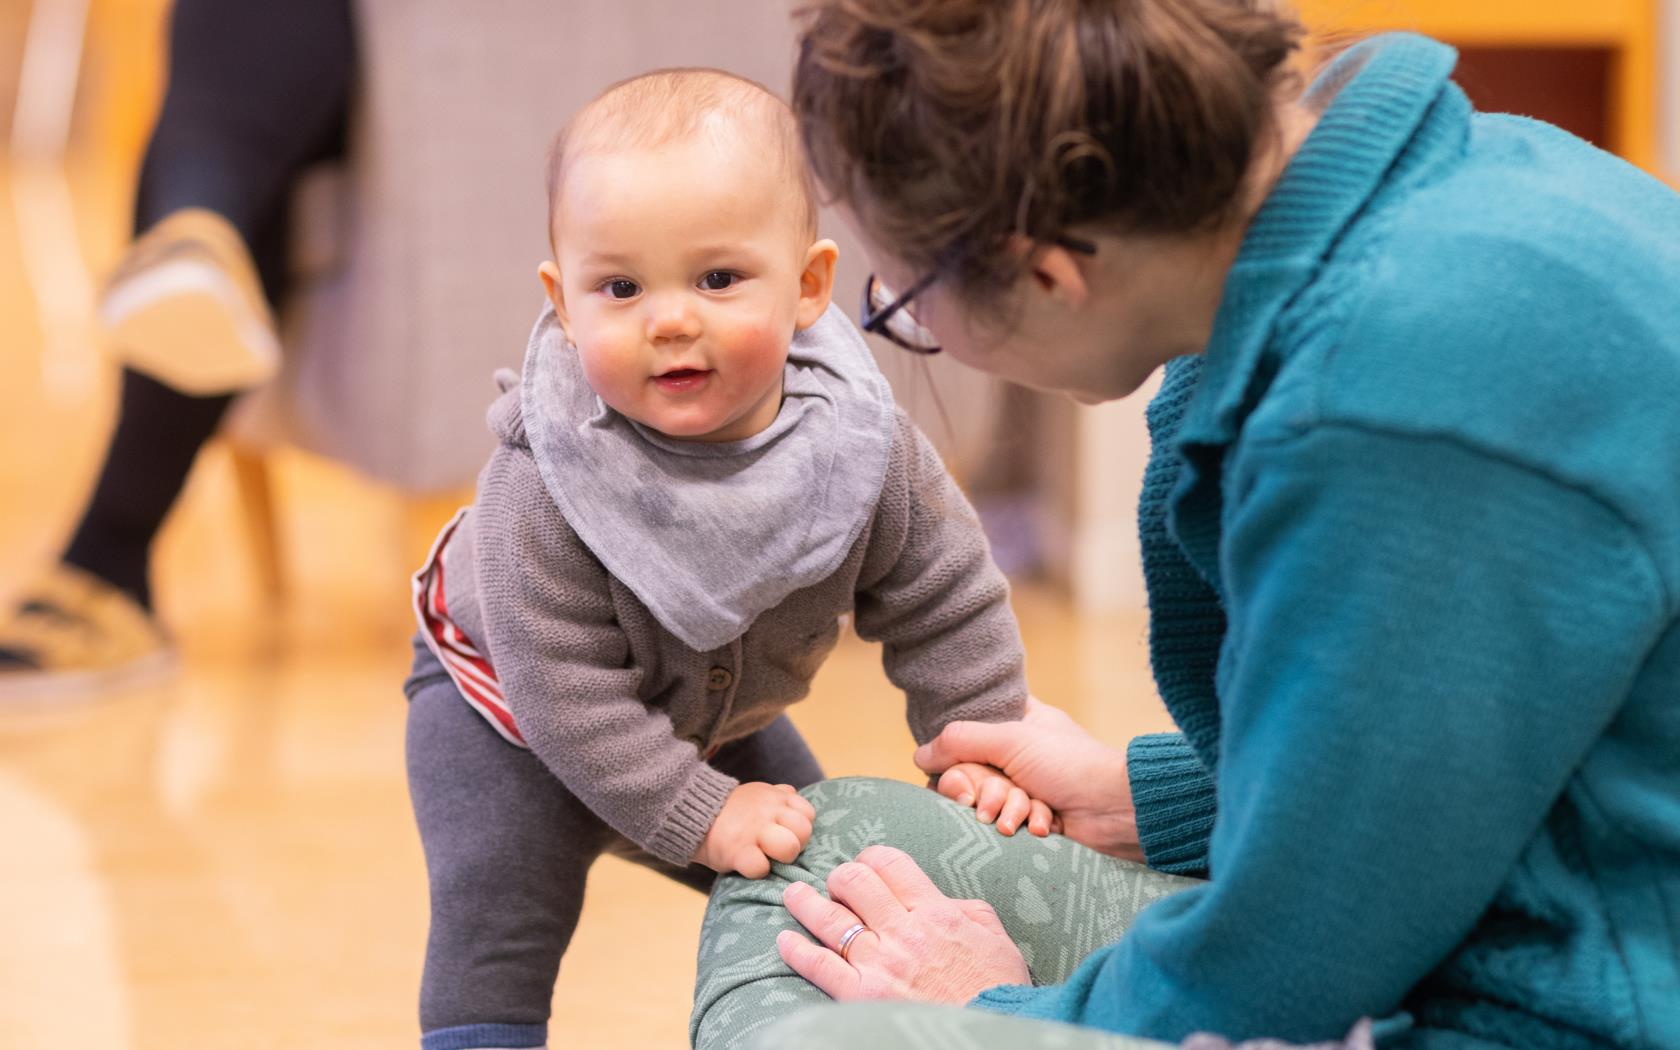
<point x="228" y="859"/>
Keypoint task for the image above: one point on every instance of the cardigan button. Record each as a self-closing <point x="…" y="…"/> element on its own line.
<point x="719" y="679"/>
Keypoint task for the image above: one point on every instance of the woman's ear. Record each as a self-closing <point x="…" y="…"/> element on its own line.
<point x="549" y="273"/>
<point x="816" y="283"/>
<point x="1054" y="270"/>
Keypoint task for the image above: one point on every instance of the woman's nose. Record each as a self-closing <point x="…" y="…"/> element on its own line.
<point x="672" y="317"/>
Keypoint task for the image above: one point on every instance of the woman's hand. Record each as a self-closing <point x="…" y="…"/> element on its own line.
<point x="1048" y="756"/>
<point x="917" y="943"/>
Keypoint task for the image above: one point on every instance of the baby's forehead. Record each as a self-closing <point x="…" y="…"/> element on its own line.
<point x="728" y="140"/>
<point x="689" y="107"/>
<point x="680" y="195"/>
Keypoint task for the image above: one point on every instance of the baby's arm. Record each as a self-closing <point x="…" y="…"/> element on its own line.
<point x="931" y="594"/>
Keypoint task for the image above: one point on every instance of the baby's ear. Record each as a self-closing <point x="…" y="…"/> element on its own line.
<point x="549" y="273"/>
<point x="816" y="283"/>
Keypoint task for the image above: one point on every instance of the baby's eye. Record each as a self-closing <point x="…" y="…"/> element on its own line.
<point x="621" y="289"/>
<point x="718" y="280"/>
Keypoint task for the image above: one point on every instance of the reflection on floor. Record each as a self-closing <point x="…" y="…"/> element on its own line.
<point x="229" y="860"/>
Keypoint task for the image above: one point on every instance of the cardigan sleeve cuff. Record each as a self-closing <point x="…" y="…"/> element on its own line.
<point x="1018" y="1000"/>
<point x="1174" y="799"/>
<point x="687" y="821"/>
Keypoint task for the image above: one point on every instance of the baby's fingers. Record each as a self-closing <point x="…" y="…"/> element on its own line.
<point x="1039" y="820"/>
<point x="751" y="862"/>
<point x="798" y="801"/>
<point x="778" y="843"/>
<point x="956" y="785"/>
<point x="1016" y="808"/>
<point x="993" y="794"/>
<point x="796" y="822"/>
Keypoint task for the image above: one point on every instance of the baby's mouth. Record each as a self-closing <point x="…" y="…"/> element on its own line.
<point x="682" y="380"/>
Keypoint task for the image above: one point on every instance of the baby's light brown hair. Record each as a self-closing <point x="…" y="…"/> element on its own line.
<point x="667" y="105"/>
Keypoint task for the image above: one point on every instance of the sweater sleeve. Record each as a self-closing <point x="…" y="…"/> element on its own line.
<point x="1425" y="640"/>
<point x="931" y="594"/>
<point x="1174" y="800"/>
<point x="565" y="669"/>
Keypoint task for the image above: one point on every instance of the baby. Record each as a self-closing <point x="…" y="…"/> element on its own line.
<point x="699" y="473"/>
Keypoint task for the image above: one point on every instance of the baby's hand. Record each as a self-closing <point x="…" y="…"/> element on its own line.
<point x="759" y="823"/>
<point x="995" y="797"/>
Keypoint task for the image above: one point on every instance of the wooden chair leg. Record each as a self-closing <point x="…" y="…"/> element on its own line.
<point x="255" y="486"/>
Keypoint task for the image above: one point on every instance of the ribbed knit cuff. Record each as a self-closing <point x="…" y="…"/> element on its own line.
<point x="691" y="816"/>
<point x="1175" y="802"/>
<point x="1017" y="1000"/>
<point x="476" y="1036"/>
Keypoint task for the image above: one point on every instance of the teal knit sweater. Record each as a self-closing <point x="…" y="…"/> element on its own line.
<point x="1412" y="539"/>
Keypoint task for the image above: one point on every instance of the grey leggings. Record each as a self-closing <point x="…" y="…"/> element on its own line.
<point x="508" y="848"/>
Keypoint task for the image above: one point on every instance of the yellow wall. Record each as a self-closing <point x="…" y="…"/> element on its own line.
<point x="1625" y="28"/>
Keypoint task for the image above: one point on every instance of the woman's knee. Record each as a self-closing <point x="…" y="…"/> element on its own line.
<point x="909" y="1026"/>
<point x="854" y="813"/>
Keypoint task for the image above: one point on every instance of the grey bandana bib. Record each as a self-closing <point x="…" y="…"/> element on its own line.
<point x="709" y="536"/>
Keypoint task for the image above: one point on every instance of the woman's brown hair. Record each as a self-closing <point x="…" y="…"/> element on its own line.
<point x="947" y="126"/>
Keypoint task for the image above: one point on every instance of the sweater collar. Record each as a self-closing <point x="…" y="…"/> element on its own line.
<point x="1385" y="90"/>
<point x="1389" y="93"/>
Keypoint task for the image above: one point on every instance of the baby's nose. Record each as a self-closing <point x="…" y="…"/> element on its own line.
<point x="672" y="317"/>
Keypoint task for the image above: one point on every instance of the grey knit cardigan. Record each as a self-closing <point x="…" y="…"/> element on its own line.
<point x="624" y="713"/>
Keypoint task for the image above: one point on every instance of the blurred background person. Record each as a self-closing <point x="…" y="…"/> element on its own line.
<point x="256" y="93"/>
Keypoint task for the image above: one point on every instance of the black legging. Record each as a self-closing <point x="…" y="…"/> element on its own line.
<point x="257" y="92"/>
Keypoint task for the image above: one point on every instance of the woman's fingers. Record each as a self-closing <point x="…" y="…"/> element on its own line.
<point x="946" y="952"/>
<point x="860" y="887"/>
<point x="1016" y="808"/>
<point x="818" y="965"/>
<point x="956" y="785"/>
<point x="826" y="920"/>
<point x="993" y="793"/>
<point x="982" y="913"/>
<point x="901" y="875"/>
<point x="990" y="743"/>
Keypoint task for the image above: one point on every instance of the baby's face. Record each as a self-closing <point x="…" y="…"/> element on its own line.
<point x="680" y="281"/>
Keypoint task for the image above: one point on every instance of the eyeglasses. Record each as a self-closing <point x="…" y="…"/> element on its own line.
<point x="888" y="315"/>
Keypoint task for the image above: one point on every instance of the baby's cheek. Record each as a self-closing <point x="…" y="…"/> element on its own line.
<point x="758" y="347"/>
<point x="613" y="374"/>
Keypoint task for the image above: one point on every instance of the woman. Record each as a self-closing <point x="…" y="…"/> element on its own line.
<point x="1411" y="532"/>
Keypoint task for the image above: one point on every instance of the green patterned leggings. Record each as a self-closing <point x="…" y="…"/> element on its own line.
<point x="1058" y="900"/>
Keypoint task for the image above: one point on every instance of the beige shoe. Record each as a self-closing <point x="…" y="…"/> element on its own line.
<point x="185" y="307"/>
<point x="73" y="632"/>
